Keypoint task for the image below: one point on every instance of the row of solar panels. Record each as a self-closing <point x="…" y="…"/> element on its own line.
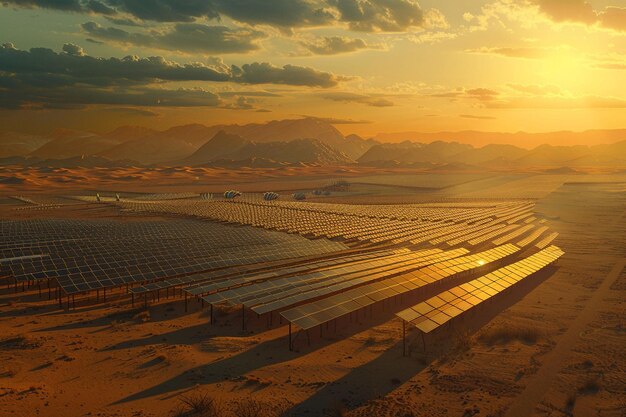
<point x="143" y="257"/>
<point x="238" y="275"/>
<point x="85" y="258"/>
<point x="312" y="314"/>
<point x="438" y="310"/>
<point x="278" y="294"/>
<point x="319" y="220"/>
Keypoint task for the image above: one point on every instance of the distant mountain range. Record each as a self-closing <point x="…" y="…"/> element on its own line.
<point x="306" y="141"/>
<point x="496" y="156"/>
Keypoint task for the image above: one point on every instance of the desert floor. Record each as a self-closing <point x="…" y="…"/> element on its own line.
<point x="557" y="347"/>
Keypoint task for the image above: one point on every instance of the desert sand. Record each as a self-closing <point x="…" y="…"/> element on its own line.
<point x="554" y="348"/>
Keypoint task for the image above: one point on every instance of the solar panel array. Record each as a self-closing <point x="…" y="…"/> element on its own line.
<point x="198" y="284"/>
<point x="547" y="240"/>
<point x="278" y="294"/>
<point x="440" y="309"/>
<point x="307" y="316"/>
<point x="85" y="255"/>
<point x="414" y="223"/>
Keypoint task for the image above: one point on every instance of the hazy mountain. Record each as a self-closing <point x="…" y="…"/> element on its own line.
<point x="85" y="162"/>
<point x="548" y="155"/>
<point x="495" y="156"/>
<point x="521" y="139"/>
<point x="489" y="153"/>
<point x="224" y="147"/>
<point x="74" y="147"/>
<point x="411" y="152"/>
<point x="126" y="133"/>
<point x="160" y="147"/>
<point x="309" y="151"/>
<point x="310" y="141"/>
<point x="217" y="147"/>
<point x="180" y="142"/>
<point x="20" y="144"/>
<point x="306" y="128"/>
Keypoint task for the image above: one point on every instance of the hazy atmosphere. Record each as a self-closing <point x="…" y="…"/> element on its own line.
<point x="312" y="208"/>
<point x="376" y="67"/>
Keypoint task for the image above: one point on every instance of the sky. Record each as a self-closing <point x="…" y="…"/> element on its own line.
<point x="370" y="66"/>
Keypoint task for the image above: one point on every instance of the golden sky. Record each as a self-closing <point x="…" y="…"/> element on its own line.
<point x="373" y="65"/>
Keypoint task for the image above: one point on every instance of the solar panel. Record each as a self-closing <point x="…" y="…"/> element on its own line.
<point x="90" y="254"/>
<point x="438" y="310"/>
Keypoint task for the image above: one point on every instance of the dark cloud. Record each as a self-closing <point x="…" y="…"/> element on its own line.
<point x="380" y="15"/>
<point x="131" y="111"/>
<point x="581" y="11"/>
<point x="73" y="69"/>
<point x="24" y="95"/>
<point x="99" y="8"/>
<point x="332" y="45"/>
<point x="241" y="103"/>
<point x="361" y="15"/>
<point x="72" y="49"/>
<point x="183" y="37"/>
<point x="123" y="21"/>
<point x="265" y="73"/>
<point x="482" y="94"/>
<point x="166" y="10"/>
<point x="568" y="10"/>
<point x="46" y="78"/>
<point x="370" y="100"/>
<point x="64" y="5"/>
<point x="77" y="6"/>
<point x="614" y="18"/>
<point x="281" y="13"/>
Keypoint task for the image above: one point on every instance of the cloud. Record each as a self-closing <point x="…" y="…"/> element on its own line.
<point x="66" y="68"/>
<point x="77" y="6"/>
<point x="183" y="37"/>
<point x="280" y="13"/>
<point x="123" y="21"/>
<point x="360" y="15"/>
<point x="266" y="73"/>
<point x="69" y="68"/>
<point x="511" y="52"/>
<point x="612" y="66"/>
<point x="431" y="37"/>
<point x="337" y="121"/>
<point x="369" y="100"/>
<point x="166" y="10"/>
<point x="568" y="10"/>
<point x="380" y="15"/>
<point x="518" y="96"/>
<point x="585" y="102"/>
<point x="536" y="90"/>
<point x="23" y="95"/>
<point x="44" y="78"/>
<point x="581" y="11"/>
<point x="333" y="45"/>
<point x="482" y="94"/>
<point x="130" y="111"/>
<point x="72" y="49"/>
<point x="471" y="116"/>
<point x="614" y="18"/>
<point x="241" y="103"/>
